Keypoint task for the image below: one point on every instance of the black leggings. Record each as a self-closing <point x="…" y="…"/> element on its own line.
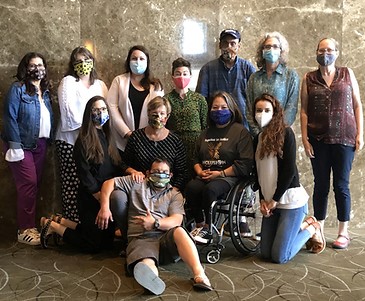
<point x="200" y="195"/>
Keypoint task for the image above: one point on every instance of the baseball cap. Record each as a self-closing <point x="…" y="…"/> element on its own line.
<point x="232" y="32"/>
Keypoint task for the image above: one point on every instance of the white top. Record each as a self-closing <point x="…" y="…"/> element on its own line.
<point x="267" y="173"/>
<point x="45" y="122"/>
<point x="121" y="111"/>
<point x="72" y="99"/>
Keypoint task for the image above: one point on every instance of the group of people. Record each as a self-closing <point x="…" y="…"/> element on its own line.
<point x="129" y="155"/>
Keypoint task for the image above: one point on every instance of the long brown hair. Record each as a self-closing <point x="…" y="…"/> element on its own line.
<point x="89" y="136"/>
<point x="148" y="78"/>
<point x="273" y="134"/>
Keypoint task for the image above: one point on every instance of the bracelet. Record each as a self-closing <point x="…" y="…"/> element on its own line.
<point x="222" y="174"/>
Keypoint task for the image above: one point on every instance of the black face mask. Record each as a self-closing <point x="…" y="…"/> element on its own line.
<point x="36" y="74"/>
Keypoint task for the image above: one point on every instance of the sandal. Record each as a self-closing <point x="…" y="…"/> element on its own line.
<point x="44" y="232"/>
<point x="202" y="282"/>
<point x="318" y="239"/>
<point x="341" y="245"/>
<point x="307" y="222"/>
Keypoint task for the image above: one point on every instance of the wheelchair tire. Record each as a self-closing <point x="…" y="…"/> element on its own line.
<point x="244" y="221"/>
<point x="213" y="256"/>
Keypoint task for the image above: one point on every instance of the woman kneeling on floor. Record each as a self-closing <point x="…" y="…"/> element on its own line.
<point x="97" y="160"/>
<point x="283" y="201"/>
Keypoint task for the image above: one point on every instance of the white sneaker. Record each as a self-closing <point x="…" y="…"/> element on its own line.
<point x="200" y="235"/>
<point x="29" y="237"/>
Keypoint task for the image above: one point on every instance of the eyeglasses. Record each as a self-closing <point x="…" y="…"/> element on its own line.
<point x="324" y="50"/>
<point x="274" y="46"/>
<point x="99" y="110"/>
<point x="35" y="66"/>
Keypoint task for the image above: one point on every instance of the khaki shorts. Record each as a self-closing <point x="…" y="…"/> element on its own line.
<point x="161" y="248"/>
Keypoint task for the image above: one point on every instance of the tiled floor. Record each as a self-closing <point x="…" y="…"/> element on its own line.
<point x="31" y="273"/>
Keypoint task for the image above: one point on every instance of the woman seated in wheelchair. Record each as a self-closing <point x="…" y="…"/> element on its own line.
<point x="283" y="201"/>
<point x="224" y="154"/>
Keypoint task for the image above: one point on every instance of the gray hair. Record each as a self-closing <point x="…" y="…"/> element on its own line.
<point x="284" y="45"/>
<point x="337" y="45"/>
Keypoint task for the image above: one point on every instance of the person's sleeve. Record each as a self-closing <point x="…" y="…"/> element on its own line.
<point x="84" y="169"/>
<point x="124" y="183"/>
<point x="291" y="107"/>
<point x="202" y="86"/>
<point x="203" y="113"/>
<point x="115" y="114"/>
<point x="104" y="89"/>
<point x="242" y="166"/>
<point x="11" y="112"/>
<point x="254" y="128"/>
<point x="288" y="170"/>
<point x="179" y="169"/>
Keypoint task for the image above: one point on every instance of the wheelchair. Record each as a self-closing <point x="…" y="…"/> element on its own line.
<point x="238" y="208"/>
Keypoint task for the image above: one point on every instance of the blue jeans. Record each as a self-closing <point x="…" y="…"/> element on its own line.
<point x="338" y="158"/>
<point x="281" y="236"/>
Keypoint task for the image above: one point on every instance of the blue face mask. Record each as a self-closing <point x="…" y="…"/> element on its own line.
<point x="221" y="117"/>
<point x="99" y="119"/>
<point x="271" y="55"/>
<point x="138" y="67"/>
<point x="326" y="59"/>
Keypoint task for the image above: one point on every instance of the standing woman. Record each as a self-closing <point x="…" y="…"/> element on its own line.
<point x="273" y="77"/>
<point x="332" y="129"/>
<point x="97" y="160"/>
<point x="283" y="201"/>
<point x="76" y="88"/>
<point x="130" y="94"/>
<point x="28" y="121"/>
<point x="188" y="110"/>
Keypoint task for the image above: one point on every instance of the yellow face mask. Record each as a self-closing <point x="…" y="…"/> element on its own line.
<point x="84" y="67"/>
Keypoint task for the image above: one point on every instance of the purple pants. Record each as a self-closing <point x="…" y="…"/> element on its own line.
<point x="27" y="174"/>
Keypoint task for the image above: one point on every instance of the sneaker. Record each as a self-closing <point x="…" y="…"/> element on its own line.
<point x="195" y="231"/>
<point x="29" y="237"/>
<point x="203" y="236"/>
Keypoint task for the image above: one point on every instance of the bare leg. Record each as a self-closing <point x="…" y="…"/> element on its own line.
<point x="151" y="263"/>
<point x="188" y="251"/>
<point x="343" y="231"/>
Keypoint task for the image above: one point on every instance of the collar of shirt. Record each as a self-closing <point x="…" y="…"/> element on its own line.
<point x="224" y="64"/>
<point x="279" y="69"/>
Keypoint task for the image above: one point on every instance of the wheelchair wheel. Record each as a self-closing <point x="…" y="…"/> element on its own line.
<point x="244" y="219"/>
<point x="213" y="256"/>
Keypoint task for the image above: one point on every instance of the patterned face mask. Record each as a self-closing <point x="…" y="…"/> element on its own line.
<point x="159" y="180"/>
<point x="84" y="67"/>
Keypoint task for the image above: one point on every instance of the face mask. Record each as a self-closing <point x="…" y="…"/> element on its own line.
<point x="156" y="122"/>
<point x="99" y="119"/>
<point x="159" y="180"/>
<point x="138" y="67"/>
<point x="229" y="53"/>
<point x="271" y="55"/>
<point x="326" y="59"/>
<point x="263" y="118"/>
<point x="221" y="117"/>
<point x="181" y="82"/>
<point x="84" y="67"/>
<point x="37" y="74"/>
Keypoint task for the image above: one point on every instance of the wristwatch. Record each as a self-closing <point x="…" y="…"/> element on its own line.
<point x="156" y="225"/>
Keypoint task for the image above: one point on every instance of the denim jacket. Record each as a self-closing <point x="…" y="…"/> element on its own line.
<point x="22" y="117"/>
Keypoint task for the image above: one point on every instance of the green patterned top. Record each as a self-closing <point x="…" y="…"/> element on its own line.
<point x="188" y="118"/>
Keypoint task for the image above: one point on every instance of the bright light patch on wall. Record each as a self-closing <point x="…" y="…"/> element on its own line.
<point x="194" y="37"/>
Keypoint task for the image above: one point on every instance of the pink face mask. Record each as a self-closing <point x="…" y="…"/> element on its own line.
<point x="181" y="82"/>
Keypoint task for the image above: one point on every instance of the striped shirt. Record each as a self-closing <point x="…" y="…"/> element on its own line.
<point x="140" y="152"/>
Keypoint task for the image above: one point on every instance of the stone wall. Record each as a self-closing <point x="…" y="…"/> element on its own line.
<point x="169" y="29"/>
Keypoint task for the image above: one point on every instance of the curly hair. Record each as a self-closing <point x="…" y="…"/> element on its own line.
<point x="284" y="46"/>
<point x="274" y="133"/>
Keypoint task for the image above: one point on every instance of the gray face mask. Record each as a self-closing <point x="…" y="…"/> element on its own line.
<point x="326" y="59"/>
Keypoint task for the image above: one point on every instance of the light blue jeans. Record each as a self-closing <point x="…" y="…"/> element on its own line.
<point x="281" y="236"/>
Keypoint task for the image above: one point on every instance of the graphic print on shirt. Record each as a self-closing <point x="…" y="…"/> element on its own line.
<point x="214" y="146"/>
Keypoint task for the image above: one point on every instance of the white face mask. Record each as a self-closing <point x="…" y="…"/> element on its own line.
<point x="263" y="118"/>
